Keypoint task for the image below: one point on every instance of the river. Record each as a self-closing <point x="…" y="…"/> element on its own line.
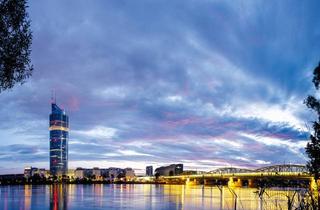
<point x="138" y="196"/>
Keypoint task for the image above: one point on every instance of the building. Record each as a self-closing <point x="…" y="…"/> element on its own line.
<point x="27" y="172"/>
<point x="70" y="173"/>
<point x="171" y="170"/>
<point x="115" y="173"/>
<point x="31" y="171"/>
<point x="79" y="173"/>
<point x="108" y="174"/>
<point x="129" y="174"/>
<point x="104" y="172"/>
<point x="59" y="134"/>
<point x="96" y="172"/>
<point x="42" y="172"/>
<point x="149" y="171"/>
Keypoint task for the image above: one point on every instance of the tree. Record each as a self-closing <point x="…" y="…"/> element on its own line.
<point x="313" y="147"/>
<point x="157" y="175"/>
<point x="15" y="43"/>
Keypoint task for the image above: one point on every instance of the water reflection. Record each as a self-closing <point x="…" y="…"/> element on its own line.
<point x="27" y="197"/>
<point x="99" y="196"/>
<point x="58" y="197"/>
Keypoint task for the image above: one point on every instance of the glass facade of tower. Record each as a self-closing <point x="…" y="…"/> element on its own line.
<point x="59" y="133"/>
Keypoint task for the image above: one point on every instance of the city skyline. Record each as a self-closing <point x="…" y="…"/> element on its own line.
<point x="206" y="84"/>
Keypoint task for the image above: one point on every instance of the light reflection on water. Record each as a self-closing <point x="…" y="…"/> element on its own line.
<point x="102" y="196"/>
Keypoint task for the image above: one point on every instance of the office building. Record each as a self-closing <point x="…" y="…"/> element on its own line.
<point x="129" y="174"/>
<point x="149" y="171"/>
<point x="171" y="170"/>
<point x="59" y="133"/>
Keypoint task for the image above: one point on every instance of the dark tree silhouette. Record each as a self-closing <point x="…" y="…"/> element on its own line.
<point x="15" y="43"/>
<point x="313" y="147"/>
<point x="157" y="175"/>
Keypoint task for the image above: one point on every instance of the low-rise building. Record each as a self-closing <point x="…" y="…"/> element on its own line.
<point x="79" y="173"/>
<point x="129" y="174"/>
<point x="115" y="173"/>
<point x="109" y="174"/>
<point x="171" y="170"/>
<point x="43" y="172"/>
<point x="104" y="172"/>
<point x="31" y="171"/>
<point x="27" y="172"/>
<point x="96" y="172"/>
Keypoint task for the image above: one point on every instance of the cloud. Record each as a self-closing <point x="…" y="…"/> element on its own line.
<point x="273" y="113"/>
<point x="263" y="162"/>
<point x="132" y="153"/>
<point x="206" y="83"/>
<point x="98" y="132"/>
<point x="295" y="147"/>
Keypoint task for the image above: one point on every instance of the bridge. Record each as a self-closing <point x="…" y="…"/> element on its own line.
<point x="237" y="177"/>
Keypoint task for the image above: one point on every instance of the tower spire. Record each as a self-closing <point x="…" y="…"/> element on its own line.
<point x="53" y="96"/>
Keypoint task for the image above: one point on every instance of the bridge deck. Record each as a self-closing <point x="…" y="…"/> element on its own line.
<point x="297" y="175"/>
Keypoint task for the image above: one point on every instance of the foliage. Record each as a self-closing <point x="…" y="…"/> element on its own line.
<point x="15" y="43"/>
<point x="157" y="175"/>
<point x="313" y="147"/>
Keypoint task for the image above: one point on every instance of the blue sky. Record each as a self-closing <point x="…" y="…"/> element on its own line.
<point x="204" y="83"/>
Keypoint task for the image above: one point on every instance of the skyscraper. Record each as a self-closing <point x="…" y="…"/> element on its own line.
<point x="59" y="132"/>
<point x="149" y="171"/>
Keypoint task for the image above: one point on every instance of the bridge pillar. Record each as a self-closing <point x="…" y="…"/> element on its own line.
<point x="250" y="183"/>
<point x="238" y="183"/>
<point x="230" y="182"/>
<point x="189" y="182"/>
<point x="313" y="184"/>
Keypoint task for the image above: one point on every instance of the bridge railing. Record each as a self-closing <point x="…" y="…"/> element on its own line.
<point x="300" y="175"/>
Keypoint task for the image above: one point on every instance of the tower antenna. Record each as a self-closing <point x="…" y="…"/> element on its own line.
<point x="53" y="96"/>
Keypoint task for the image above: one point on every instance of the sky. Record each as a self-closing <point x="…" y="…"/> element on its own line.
<point x="206" y="83"/>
